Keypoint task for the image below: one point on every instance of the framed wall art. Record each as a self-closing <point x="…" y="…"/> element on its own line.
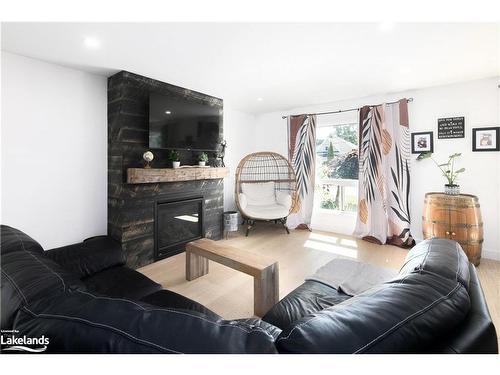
<point x="422" y="142"/>
<point x="486" y="139"/>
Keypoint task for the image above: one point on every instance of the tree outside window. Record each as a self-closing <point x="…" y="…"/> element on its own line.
<point x="338" y="167"/>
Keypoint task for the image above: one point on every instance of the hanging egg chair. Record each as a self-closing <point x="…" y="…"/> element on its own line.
<point x="265" y="188"/>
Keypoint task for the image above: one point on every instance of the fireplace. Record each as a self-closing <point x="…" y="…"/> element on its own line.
<point x="134" y="205"/>
<point x="176" y="223"/>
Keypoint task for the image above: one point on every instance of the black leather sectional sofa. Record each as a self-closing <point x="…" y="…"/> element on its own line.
<point x="85" y="300"/>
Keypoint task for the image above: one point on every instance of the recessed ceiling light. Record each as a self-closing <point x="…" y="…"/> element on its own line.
<point x="259" y="99"/>
<point x="168" y="112"/>
<point x="91" y="42"/>
<point x="386" y="26"/>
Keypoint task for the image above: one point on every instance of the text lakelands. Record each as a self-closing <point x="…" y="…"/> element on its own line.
<point x="24" y="340"/>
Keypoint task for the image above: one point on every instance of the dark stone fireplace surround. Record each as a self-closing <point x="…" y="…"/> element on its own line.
<point x="131" y="207"/>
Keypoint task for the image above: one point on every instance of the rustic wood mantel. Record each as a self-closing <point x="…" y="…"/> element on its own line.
<point x="155" y="175"/>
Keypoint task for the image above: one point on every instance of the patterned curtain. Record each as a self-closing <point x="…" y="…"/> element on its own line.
<point x="302" y="154"/>
<point x="384" y="175"/>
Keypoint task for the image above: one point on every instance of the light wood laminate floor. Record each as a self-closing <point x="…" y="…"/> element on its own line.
<point x="230" y="293"/>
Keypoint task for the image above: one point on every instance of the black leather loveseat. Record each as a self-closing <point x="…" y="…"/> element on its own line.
<point x="84" y="300"/>
<point x="434" y="305"/>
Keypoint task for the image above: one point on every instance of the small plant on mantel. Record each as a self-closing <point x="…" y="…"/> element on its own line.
<point x="202" y="159"/>
<point x="448" y="171"/>
<point x="173" y="156"/>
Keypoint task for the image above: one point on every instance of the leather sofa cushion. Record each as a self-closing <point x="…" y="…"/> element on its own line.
<point x="308" y="298"/>
<point x="401" y="316"/>
<point x="255" y="322"/>
<point x="89" y="257"/>
<point x="439" y="256"/>
<point x="171" y="300"/>
<point x="81" y="322"/>
<point x="476" y="334"/>
<point x="27" y="275"/>
<point x="121" y="282"/>
<point x="15" y="240"/>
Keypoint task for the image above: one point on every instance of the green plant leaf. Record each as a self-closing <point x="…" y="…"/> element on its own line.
<point x="424" y="155"/>
<point x="460" y="170"/>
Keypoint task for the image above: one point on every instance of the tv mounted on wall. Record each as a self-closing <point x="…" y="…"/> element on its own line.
<point x="176" y="123"/>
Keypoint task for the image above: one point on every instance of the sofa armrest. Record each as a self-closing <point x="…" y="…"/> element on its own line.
<point x="243" y="201"/>
<point x="89" y="257"/>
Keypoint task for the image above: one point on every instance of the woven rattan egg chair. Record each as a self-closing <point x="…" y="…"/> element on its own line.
<point x="265" y="188"/>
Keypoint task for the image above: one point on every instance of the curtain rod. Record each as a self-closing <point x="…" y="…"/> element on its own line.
<point x="343" y="110"/>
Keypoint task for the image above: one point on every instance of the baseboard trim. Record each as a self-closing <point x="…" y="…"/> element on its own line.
<point x="490" y="254"/>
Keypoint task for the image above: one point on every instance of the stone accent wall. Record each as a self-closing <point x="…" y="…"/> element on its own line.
<point x="131" y="206"/>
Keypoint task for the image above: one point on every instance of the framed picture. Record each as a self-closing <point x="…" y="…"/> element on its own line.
<point x="422" y="142"/>
<point x="486" y="139"/>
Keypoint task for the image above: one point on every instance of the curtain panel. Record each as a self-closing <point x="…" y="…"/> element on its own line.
<point x="302" y="156"/>
<point x="384" y="175"/>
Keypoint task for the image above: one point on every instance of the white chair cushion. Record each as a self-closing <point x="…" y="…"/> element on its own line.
<point x="284" y="199"/>
<point x="271" y="212"/>
<point x="242" y="201"/>
<point x="259" y="194"/>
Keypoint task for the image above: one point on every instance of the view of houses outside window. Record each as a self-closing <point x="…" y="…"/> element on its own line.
<point x="337" y="167"/>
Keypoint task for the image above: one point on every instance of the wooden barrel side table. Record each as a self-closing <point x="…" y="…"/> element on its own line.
<point x="457" y="217"/>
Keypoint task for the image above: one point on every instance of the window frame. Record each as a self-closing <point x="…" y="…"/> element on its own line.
<point x="342" y="183"/>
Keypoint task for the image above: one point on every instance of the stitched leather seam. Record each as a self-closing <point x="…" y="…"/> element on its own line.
<point x="38" y="260"/>
<point x="255" y="330"/>
<point x="15" y="286"/>
<point x="429" y="249"/>
<point x="314" y="317"/>
<point x="317" y="316"/>
<point x="408" y="318"/>
<point x="99" y="325"/>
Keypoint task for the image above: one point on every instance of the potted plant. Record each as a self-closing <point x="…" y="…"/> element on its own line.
<point x="173" y="156"/>
<point x="448" y="171"/>
<point x="202" y="159"/>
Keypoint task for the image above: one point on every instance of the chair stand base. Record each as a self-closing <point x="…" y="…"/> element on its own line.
<point x="283" y="222"/>
<point x="251" y="223"/>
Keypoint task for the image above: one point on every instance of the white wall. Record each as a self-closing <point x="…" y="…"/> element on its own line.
<point x="54" y="151"/>
<point x="239" y="131"/>
<point x="477" y="100"/>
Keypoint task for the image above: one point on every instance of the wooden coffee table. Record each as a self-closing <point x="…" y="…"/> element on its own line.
<point x="263" y="269"/>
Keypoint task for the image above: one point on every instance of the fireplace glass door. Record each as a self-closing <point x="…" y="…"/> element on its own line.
<point x="177" y="222"/>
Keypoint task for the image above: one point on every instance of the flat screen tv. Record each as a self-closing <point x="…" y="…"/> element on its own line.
<point x="175" y="123"/>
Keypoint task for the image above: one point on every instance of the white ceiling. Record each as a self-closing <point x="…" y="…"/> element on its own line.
<point x="287" y="65"/>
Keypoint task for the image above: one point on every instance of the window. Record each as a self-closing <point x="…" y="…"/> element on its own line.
<point x="337" y="167"/>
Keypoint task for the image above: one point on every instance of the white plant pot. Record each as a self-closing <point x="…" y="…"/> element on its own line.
<point x="202" y="163"/>
<point x="176" y="164"/>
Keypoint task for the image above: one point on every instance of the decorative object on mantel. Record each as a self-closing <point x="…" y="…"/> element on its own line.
<point x="486" y="139"/>
<point x="220" y="154"/>
<point x="155" y="175"/>
<point x="202" y="159"/>
<point x="456" y="217"/>
<point x="173" y="156"/>
<point x="148" y="158"/>
<point x="422" y="142"/>
<point x="448" y="171"/>
<point x="451" y="127"/>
